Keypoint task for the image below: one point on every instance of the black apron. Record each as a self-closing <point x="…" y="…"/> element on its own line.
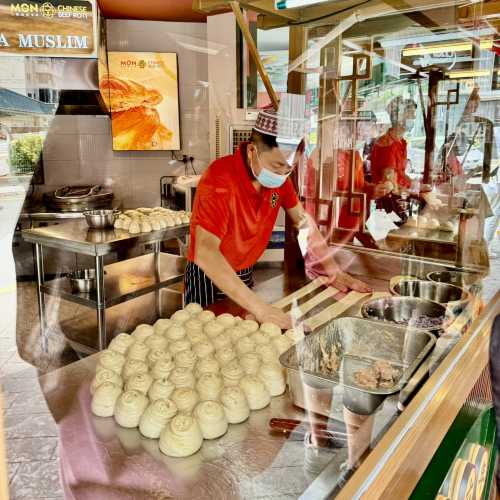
<point x="200" y="289"/>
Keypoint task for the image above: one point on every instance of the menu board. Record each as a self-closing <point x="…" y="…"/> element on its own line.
<point x="141" y="90"/>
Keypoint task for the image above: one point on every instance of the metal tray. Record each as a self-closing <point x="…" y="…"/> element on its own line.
<point x="359" y="343"/>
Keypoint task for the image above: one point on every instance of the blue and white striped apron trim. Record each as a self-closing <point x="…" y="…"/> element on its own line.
<point x="199" y="288"/>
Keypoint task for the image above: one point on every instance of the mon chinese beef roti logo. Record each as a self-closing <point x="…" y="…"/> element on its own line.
<point x="50" y="10"/>
<point x="140" y="63"/>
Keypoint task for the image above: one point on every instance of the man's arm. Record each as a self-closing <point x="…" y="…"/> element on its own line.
<point x="322" y="253"/>
<point x="209" y="258"/>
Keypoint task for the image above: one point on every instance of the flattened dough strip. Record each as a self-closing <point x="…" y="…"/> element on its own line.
<point x="316" y="283"/>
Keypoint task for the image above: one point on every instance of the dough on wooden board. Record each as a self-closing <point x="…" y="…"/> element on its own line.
<point x="181" y="437"/>
<point x="129" y="408"/>
<point x="156" y="416"/>
<point x="235" y="404"/>
<point x="104" y="399"/>
<point x="211" y="419"/>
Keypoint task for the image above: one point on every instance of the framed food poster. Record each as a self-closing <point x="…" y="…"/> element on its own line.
<point x="142" y="92"/>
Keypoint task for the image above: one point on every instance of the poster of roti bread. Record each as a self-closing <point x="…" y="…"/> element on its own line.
<point x="141" y="90"/>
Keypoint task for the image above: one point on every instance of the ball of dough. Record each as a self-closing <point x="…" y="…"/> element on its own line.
<point x="447" y="226"/>
<point x="105" y="375"/>
<point x="250" y="362"/>
<point x="255" y="391"/>
<point x="162" y="325"/>
<point x="156" y="416"/>
<point x="142" y="332"/>
<point x="162" y="368"/>
<point x="156" y="341"/>
<point x="180" y="316"/>
<point x="182" y="377"/>
<point x="139" y="351"/>
<point x="157" y="354"/>
<point x="175" y="332"/>
<point x="232" y="373"/>
<point x="236" y="333"/>
<point x="139" y="382"/>
<point x="272" y="376"/>
<point x="260" y="338"/>
<point x="221" y="341"/>
<point x="181" y="437"/>
<point x="179" y="346"/>
<point x="185" y="359"/>
<point x="235" y="404"/>
<point x="225" y="355"/>
<point x="226" y="320"/>
<point x="121" y="343"/>
<point x="129" y="408"/>
<point x="104" y="399"/>
<point x="193" y="309"/>
<point x="195" y="336"/>
<point x="433" y="223"/>
<point x="205" y="316"/>
<point x="133" y="366"/>
<point x="203" y="349"/>
<point x="135" y="227"/>
<point x="185" y="399"/>
<point x="211" y="419"/>
<point x="207" y="365"/>
<point x="422" y="221"/>
<point x="295" y="335"/>
<point x="249" y="325"/>
<point x="212" y="329"/>
<point x="282" y="344"/>
<point x="161" y="388"/>
<point x="244" y="345"/>
<point x="270" y="329"/>
<point x="267" y="353"/>
<point x="209" y="386"/>
<point x="111" y="360"/>
<point x="193" y="324"/>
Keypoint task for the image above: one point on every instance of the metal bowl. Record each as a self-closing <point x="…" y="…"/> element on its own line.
<point x="99" y="219"/>
<point x="457" y="278"/>
<point x="82" y="280"/>
<point x="406" y="311"/>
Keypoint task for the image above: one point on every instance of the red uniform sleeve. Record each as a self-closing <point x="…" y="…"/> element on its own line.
<point x="211" y="209"/>
<point x="288" y="195"/>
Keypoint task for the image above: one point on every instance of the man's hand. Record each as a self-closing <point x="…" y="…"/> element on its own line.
<point x="267" y="313"/>
<point x="344" y="282"/>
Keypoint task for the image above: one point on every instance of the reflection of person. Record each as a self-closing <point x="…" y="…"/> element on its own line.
<point x="235" y="209"/>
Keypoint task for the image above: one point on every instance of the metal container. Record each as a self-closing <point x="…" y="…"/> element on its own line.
<point x="82" y="280"/>
<point x="457" y="278"/>
<point x="405" y="311"/>
<point x="358" y="343"/>
<point x="99" y="219"/>
<point x="78" y="198"/>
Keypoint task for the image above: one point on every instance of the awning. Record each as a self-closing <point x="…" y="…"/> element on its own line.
<point x="14" y="103"/>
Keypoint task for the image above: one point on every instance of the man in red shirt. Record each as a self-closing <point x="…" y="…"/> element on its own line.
<point x="235" y="209"/>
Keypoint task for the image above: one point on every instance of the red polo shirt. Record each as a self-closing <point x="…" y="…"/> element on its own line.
<point x="228" y="206"/>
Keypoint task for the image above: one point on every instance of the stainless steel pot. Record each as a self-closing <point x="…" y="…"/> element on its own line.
<point x="99" y="219"/>
<point x="82" y="280"/>
<point x="457" y="278"/>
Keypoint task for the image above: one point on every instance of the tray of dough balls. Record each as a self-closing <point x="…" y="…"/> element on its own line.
<point x="145" y="220"/>
<point x="187" y="378"/>
<point x="430" y="227"/>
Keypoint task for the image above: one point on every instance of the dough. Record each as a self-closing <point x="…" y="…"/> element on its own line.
<point x="185" y="359"/>
<point x="422" y="221"/>
<point x="193" y="309"/>
<point x="179" y="346"/>
<point x="155" y="224"/>
<point x="203" y="349"/>
<point x="260" y="338"/>
<point x="226" y="320"/>
<point x="142" y="332"/>
<point x="232" y="373"/>
<point x="126" y="223"/>
<point x="236" y="333"/>
<point x="433" y="223"/>
<point x="255" y="391"/>
<point x="205" y="316"/>
<point x="447" y="226"/>
<point x="211" y="419"/>
<point x="129" y="408"/>
<point x="244" y="345"/>
<point x="273" y="378"/>
<point x="134" y="227"/>
<point x="181" y="437"/>
<point x="180" y="316"/>
<point x="156" y="341"/>
<point x="111" y="360"/>
<point x="156" y="416"/>
<point x="221" y="341"/>
<point x="295" y="335"/>
<point x="195" y="336"/>
<point x="250" y="362"/>
<point x="157" y="354"/>
<point x="139" y="382"/>
<point x="121" y="343"/>
<point x="193" y="324"/>
<point x="185" y="398"/>
<point x="104" y="399"/>
<point x="182" y="377"/>
<point x="105" y="375"/>
<point x="270" y="329"/>
<point x="175" y="332"/>
<point x="138" y="350"/>
<point x="207" y="365"/>
<point x="133" y="366"/>
<point x="209" y="386"/>
<point x="161" y="388"/>
<point x="267" y="353"/>
<point x="146" y="227"/>
<point x="225" y="355"/>
<point x="249" y="325"/>
<point x="162" y="368"/>
<point x="212" y="329"/>
<point x="282" y="344"/>
<point x="235" y="404"/>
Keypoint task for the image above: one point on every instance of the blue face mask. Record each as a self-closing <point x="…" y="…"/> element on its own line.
<point x="268" y="178"/>
<point x="409" y="124"/>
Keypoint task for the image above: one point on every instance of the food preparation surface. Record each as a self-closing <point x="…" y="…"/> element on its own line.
<point x="427" y="235"/>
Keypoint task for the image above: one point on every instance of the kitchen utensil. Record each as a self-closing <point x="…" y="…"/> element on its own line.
<point x="82" y="280"/>
<point x="457" y="278"/>
<point x="99" y="219"/>
<point x="78" y="198"/>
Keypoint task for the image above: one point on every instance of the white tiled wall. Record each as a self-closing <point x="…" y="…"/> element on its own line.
<point x="78" y="149"/>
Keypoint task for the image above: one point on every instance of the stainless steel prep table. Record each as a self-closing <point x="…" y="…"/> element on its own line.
<point x="75" y="236"/>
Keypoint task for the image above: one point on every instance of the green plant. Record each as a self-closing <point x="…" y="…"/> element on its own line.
<point x="26" y="151"/>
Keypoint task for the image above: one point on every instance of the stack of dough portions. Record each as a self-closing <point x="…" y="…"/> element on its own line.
<point x="211" y="419"/>
<point x="104" y="400"/>
<point x="129" y="408"/>
<point x="235" y="404"/>
<point x="181" y="437"/>
<point x="257" y="395"/>
<point x="154" y="419"/>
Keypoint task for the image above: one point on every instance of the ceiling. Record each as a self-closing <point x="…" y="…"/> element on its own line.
<point x="155" y="10"/>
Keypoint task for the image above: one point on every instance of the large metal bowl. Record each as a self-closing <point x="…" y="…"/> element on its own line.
<point x="406" y="311"/>
<point x="99" y="219"/>
<point x="457" y="278"/>
<point x="82" y="280"/>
